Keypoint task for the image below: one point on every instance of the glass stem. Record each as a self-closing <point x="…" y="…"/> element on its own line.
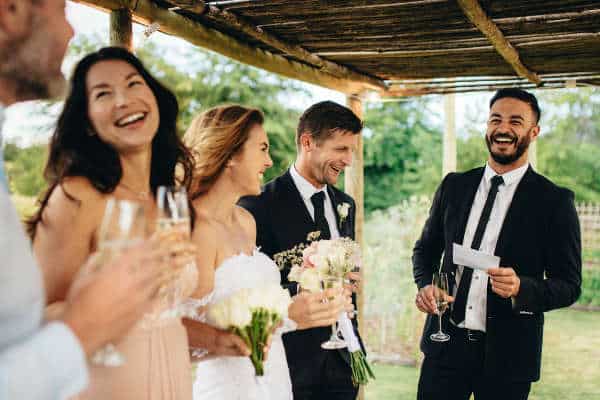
<point x="440" y="319"/>
<point x="333" y="331"/>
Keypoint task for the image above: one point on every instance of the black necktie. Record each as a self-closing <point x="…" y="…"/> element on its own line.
<point x="318" y="202"/>
<point x="460" y="302"/>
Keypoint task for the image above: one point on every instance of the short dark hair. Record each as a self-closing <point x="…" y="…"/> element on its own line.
<point x="321" y="119"/>
<point x="519" y="94"/>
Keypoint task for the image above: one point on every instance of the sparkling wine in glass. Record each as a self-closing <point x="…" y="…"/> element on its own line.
<point x="440" y="292"/>
<point x="173" y="224"/>
<point x="123" y="226"/>
<point x="334" y="342"/>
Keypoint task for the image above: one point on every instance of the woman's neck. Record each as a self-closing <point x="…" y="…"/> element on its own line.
<point x="220" y="201"/>
<point x="136" y="169"/>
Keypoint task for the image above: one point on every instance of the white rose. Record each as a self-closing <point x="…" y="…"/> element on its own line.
<point x="295" y="273"/>
<point x="240" y="314"/>
<point x="310" y="280"/>
<point x="218" y="315"/>
<point x="343" y="210"/>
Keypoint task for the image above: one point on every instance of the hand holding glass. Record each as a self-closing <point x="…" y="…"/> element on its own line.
<point x="440" y="292"/>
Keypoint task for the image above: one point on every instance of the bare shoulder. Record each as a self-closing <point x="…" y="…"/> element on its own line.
<point x="247" y="220"/>
<point x="75" y="202"/>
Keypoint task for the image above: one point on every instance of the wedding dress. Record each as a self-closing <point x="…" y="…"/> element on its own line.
<point x="233" y="378"/>
<point x="156" y="359"/>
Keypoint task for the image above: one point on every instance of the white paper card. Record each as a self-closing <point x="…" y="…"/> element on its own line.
<point x="468" y="257"/>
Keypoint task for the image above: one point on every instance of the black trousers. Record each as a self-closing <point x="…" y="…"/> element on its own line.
<point x="335" y="383"/>
<point x="456" y="378"/>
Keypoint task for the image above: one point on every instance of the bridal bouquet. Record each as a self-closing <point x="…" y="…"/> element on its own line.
<point x="334" y="257"/>
<point x="252" y="314"/>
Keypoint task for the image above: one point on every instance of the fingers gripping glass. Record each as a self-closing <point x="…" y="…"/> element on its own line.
<point x="440" y="293"/>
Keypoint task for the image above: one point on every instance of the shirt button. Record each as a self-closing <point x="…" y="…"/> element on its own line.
<point x="476" y="276"/>
<point x="470" y="307"/>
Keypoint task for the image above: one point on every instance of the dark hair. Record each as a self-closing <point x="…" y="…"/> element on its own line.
<point x="74" y="152"/>
<point x="519" y="94"/>
<point x="214" y="137"/>
<point x="321" y="119"/>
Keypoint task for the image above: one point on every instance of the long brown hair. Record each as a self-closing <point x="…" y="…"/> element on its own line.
<point x="73" y="152"/>
<point x="214" y="137"/>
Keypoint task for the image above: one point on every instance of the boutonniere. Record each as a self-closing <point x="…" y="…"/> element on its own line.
<point x="342" y="210"/>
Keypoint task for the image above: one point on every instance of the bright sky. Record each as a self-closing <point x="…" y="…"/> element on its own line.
<point x="24" y="124"/>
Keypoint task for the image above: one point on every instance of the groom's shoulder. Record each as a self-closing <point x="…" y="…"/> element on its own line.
<point x="268" y="192"/>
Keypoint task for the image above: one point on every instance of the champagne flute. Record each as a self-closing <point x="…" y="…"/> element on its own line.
<point x="173" y="223"/>
<point x="122" y="226"/>
<point x="334" y="342"/>
<point x="440" y="292"/>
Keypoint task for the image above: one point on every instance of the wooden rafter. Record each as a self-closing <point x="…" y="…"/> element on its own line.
<point x="298" y="52"/>
<point x="472" y="9"/>
<point x="145" y="11"/>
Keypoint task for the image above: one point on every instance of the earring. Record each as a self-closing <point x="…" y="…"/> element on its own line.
<point x="90" y="132"/>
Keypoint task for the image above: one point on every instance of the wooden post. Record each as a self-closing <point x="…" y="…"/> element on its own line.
<point x="354" y="179"/>
<point x="449" y="142"/>
<point x="121" y="29"/>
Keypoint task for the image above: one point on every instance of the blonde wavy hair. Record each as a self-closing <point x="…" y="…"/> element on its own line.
<point x="214" y="137"/>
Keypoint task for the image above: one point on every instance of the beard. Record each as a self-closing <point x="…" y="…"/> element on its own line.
<point x="27" y="64"/>
<point x="521" y="145"/>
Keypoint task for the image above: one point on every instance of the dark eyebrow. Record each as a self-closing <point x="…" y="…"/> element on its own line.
<point x="496" y="115"/>
<point x="105" y="85"/>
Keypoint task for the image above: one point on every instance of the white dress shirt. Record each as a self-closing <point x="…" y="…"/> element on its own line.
<point x="37" y="360"/>
<point x="306" y="190"/>
<point x="476" y="311"/>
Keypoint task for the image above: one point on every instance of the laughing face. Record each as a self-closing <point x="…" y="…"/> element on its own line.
<point x="511" y="127"/>
<point x="121" y="107"/>
<point x="251" y="162"/>
<point x="329" y="157"/>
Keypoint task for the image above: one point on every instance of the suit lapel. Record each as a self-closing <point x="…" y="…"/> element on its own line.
<point x="519" y="207"/>
<point x="465" y="204"/>
<point x="292" y="210"/>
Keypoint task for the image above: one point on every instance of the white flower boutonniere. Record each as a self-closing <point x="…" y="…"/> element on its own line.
<point x="342" y="210"/>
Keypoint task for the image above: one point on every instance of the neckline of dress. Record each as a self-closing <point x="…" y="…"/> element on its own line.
<point x="241" y="254"/>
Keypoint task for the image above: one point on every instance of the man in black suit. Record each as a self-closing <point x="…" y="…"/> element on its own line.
<point x="506" y="209"/>
<point x="303" y="200"/>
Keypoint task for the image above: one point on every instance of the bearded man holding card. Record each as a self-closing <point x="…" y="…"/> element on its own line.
<point x="510" y="242"/>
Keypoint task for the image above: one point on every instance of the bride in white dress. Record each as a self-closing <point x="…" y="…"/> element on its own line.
<point x="231" y="151"/>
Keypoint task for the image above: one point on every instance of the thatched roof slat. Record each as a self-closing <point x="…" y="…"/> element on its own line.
<point x="415" y="41"/>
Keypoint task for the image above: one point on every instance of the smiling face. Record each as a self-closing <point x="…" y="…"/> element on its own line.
<point x="248" y="166"/>
<point x="327" y="158"/>
<point x="121" y="106"/>
<point x="511" y="127"/>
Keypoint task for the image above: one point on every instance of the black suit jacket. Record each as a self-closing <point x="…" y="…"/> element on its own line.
<point x="540" y="238"/>
<point x="282" y="222"/>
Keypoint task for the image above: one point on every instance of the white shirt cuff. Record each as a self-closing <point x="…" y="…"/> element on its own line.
<point x="64" y="351"/>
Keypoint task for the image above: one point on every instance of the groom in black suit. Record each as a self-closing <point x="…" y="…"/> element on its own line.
<point x="506" y="209"/>
<point x="303" y="200"/>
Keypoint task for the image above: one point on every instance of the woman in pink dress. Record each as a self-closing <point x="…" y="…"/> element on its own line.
<point x="116" y="136"/>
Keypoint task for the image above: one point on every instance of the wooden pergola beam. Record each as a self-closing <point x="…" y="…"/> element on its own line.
<point x="121" y="29"/>
<point x="298" y="52"/>
<point x="146" y="12"/>
<point x="472" y="9"/>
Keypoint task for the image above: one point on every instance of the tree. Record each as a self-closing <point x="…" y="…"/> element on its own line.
<point x="402" y="152"/>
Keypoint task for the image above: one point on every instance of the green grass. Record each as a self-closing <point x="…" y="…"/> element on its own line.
<point x="570" y="369"/>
